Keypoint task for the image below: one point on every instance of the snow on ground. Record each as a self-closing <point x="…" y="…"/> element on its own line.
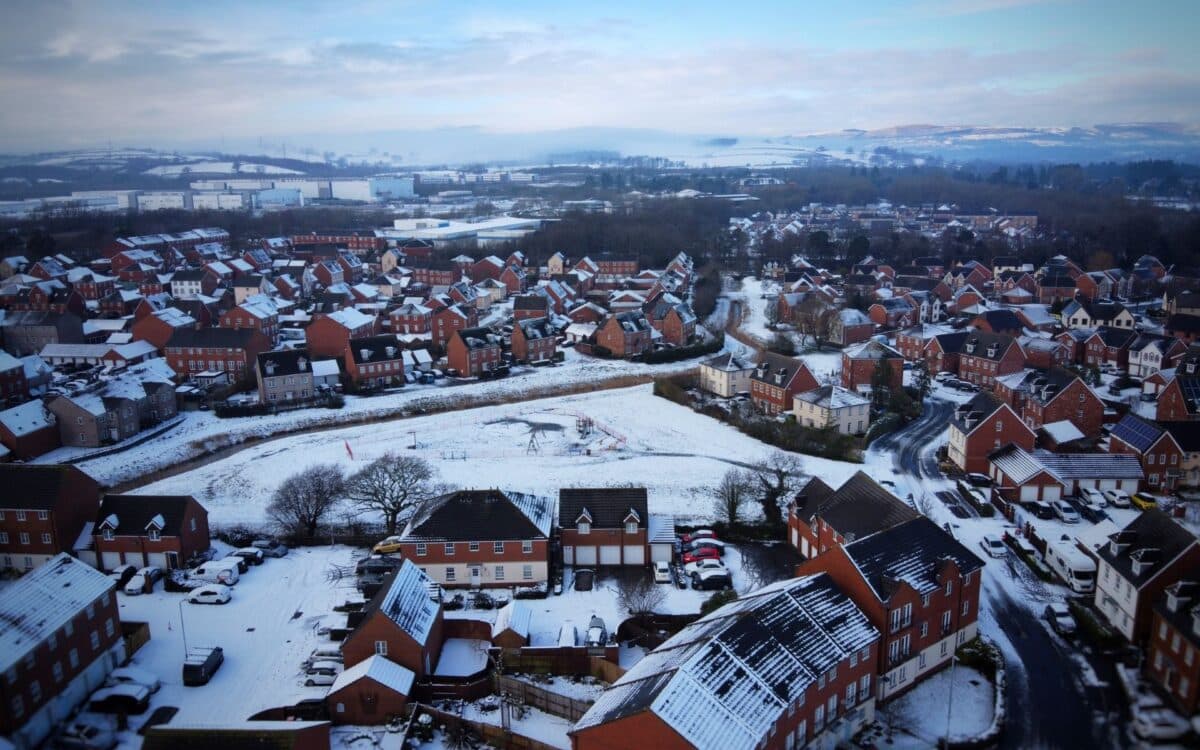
<point x="824" y="364"/>
<point x="532" y="723"/>
<point x="958" y="701"/>
<point x="462" y="657"/>
<point x="267" y="629"/>
<point x="218" y="167"/>
<point x="586" y="688"/>
<point x="637" y="438"/>
<point x="201" y="432"/>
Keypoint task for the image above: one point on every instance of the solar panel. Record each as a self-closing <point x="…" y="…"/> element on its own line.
<point x="1137" y="433"/>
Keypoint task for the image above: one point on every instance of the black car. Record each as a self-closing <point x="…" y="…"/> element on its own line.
<point x="158" y="716"/>
<point x="711" y="580"/>
<point x="201" y="664"/>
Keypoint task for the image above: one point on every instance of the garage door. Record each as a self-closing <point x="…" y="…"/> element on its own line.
<point x="1052" y="492"/>
<point x="610" y="554"/>
<point x="110" y="560"/>
<point x="1108" y="484"/>
<point x="585" y="555"/>
<point x="1029" y="493"/>
<point x="635" y="554"/>
<point x="158" y="560"/>
<point x="568" y="555"/>
<point x="661" y="552"/>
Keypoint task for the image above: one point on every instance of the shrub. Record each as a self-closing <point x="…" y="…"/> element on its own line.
<point x="684" y="352"/>
<point x="717" y="600"/>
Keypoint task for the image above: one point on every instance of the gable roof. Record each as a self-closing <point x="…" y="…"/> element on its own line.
<point x="132" y="515"/>
<point x="41" y="487"/>
<point x="286" y="362"/>
<point x="725" y="680"/>
<point x="970" y="415"/>
<point x="380" y="669"/>
<point x="404" y="599"/>
<point x="381" y="348"/>
<point x="908" y="552"/>
<point x="608" y="507"/>
<point x="860" y="507"/>
<point x="481" y="515"/>
<point x="514" y="616"/>
<point x="1152" y="539"/>
<point x="1139" y="434"/>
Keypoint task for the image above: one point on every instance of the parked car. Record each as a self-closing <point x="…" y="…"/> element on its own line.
<point x="979" y="480"/>
<point x="322" y="673"/>
<point x="240" y="563"/>
<point x="597" y="632"/>
<point x="1064" y="511"/>
<point x="86" y="734"/>
<point x="200" y="664"/>
<point x="697" y="534"/>
<point x="143" y="581"/>
<point x="662" y="572"/>
<point x="1157" y="722"/>
<point x="1117" y="498"/>
<point x="270" y="547"/>
<point x="252" y="555"/>
<point x="1142" y="501"/>
<point x="217" y="571"/>
<point x="158" y="717"/>
<point x="696" y="544"/>
<point x="332" y="652"/>
<point x="1041" y="509"/>
<point x="213" y="593"/>
<point x="701" y="553"/>
<point x="585" y="578"/>
<point x="121" y="574"/>
<point x="942" y="377"/>
<point x="1093" y="497"/>
<point x="993" y="546"/>
<point x="134" y="676"/>
<point x="126" y="698"/>
<point x="387" y="546"/>
<point x="1059" y="616"/>
<point x="711" y="580"/>
<point x="708" y="564"/>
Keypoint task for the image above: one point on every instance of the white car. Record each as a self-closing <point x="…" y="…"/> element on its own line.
<point x="1093" y="498"/>
<point x="706" y="564"/>
<point x="143" y="579"/>
<point x="992" y="545"/>
<point x="942" y="377"/>
<point x="662" y="572"/>
<point x="1065" y="512"/>
<point x="322" y="673"/>
<point x="134" y="676"/>
<point x="215" y="593"/>
<point x="1117" y="498"/>
<point x="1157" y="722"/>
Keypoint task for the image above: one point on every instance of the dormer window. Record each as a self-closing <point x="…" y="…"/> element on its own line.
<point x="154" y="535"/>
<point x="631" y="527"/>
<point x="584" y="527"/>
<point x="107" y="534"/>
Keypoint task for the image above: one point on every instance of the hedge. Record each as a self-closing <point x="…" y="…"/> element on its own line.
<point x="684" y="352"/>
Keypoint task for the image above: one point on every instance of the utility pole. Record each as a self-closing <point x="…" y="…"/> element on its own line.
<point x="182" y="629"/>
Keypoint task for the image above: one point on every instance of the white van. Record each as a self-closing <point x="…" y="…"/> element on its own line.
<point x="217" y="571"/>
<point x="1076" y="569"/>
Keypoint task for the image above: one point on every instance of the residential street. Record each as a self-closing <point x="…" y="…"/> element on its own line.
<point x="1048" y="704"/>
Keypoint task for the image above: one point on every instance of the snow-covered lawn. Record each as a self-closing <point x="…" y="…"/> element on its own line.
<point x="585" y="688"/>
<point x="266" y="630"/>
<point x="462" y="657"/>
<point x="534" y="724"/>
<point x="636" y="438"/>
<point x="959" y="701"/>
<point x="201" y="432"/>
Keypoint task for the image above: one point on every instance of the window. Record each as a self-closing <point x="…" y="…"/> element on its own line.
<point x="924" y="600"/>
<point x="1158" y="660"/>
<point x="1189" y="655"/>
<point x="802" y="732"/>
<point x="154" y="535"/>
<point x="381" y="648"/>
<point x="473" y="547"/>
<point x="24" y="538"/>
<point x="18" y="707"/>
<point x="52" y="642"/>
<point x="833" y="674"/>
<point x="831" y="708"/>
<point x="584" y="527"/>
<point x="108" y="628"/>
<point x="20" y="515"/>
<point x="949" y="588"/>
<point x="966" y="608"/>
<point x="851" y="691"/>
<point x="527" y="546"/>
<point x="498" y="548"/>
<point x="73" y="657"/>
<point x="69" y="629"/>
<point x="57" y="670"/>
<point x="499" y="572"/>
<point x="527" y="572"/>
<point x="943" y="648"/>
<point x="854" y="659"/>
<point x="1184" y="684"/>
<point x="865" y="654"/>
<point x="631" y="527"/>
<point x="43" y="515"/>
<point x="1175" y="643"/>
<point x="4" y="539"/>
<point x="35" y="690"/>
<point x="449" y="548"/>
<point x="921" y="660"/>
<point x="999" y="425"/>
<point x="450" y="574"/>
<point x="924" y="629"/>
<point x="91" y="611"/>
<point x="819" y="717"/>
<point x="94" y="639"/>
<point x="864" y="686"/>
<point x="946" y="621"/>
<point x="968" y="578"/>
<point x="821" y="682"/>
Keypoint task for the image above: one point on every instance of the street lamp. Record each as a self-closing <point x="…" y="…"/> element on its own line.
<point x="182" y="629"/>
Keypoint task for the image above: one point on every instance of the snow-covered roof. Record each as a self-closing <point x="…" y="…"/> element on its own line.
<point x="660" y="529"/>
<point x="514" y="616"/>
<point x="407" y="602"/>
<point x="42" y="601"/>
<point x="726" y="679"/>
<point x="325" y="368"/>
<point x="26" y="418"/>
<point x="351" y="318"/>
<point x="380" y="669"/>
<point x="1063" y="431"/>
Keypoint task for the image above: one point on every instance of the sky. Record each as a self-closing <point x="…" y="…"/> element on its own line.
<point x="77" y="73"/>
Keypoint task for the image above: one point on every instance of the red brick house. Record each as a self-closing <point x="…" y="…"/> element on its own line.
<point x="62" y="636"/>
<point x="401" y="623"/>
<point x="374" y="361"/>
<point x="328" y="272"/>
<point x="820" y="517"/>
<point x="982" y="425"/>
<point x="158" y="327"/>
<point x="860" y="362"/>
<point x="604" y="526"/>
<point x="360" y="241"/>
<point x="1160" y="454"/>
<point x="625" y="334"/>
<point x="850" y="327"/>
<point x="328" y="335"/>
<point x="896" y="312"/>
<point x="489" y="267"/>
<point x="998" y="321"/>
<point x="473" y="351"/>
<point x="1179" y="401"/>
<point x="164" y="531"/>
<point x="411" y="318"/>
<point x="258" y="313"/>
<point x="374" y="691"/>
<point x="776" y="380"/>
<point x="919" y="587"/>
<point x="987" y="356"/>
<point x="514" y="278"/>
<point x="533" y="340"/>
<point x="672" y="318"/>
<point x="14" y="388"/>
<point x="28" y="430"/>
<point x="481" y="538"/>
<point x="527" y="306"/>
<point x="1109" y="346"/>
<point x="1052" y="395"/>
<point x="436" y="276"/>
<point x="450" y="320"/>
<point x="43" y="511"/>
<point x="1056" y="287"/>
<point x="1173" y="656"/>
<point x="673" y="699"/>
<point x="230" y="350"/>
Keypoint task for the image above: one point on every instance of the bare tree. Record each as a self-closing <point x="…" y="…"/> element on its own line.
<point x="304" y="499"/>
<point x="392" y="485"/>
<point x="777" y="476"/>
<point x="638" y="595"/>
<point x="730" y="494"/>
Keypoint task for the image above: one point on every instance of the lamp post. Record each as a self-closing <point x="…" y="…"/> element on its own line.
<point x="182" y="629"/>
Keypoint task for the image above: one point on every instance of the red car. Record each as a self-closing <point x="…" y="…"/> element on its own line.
<point x="698" y="534"/>
<point x="702" y="553"/>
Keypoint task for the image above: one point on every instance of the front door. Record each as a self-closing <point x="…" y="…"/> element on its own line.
<point x="172" y="560"/>
<point x="475" y="576"/>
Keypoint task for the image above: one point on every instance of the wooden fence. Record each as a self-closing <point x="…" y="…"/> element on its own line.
<point x="564" y="660"/>
<point x="542" y="699"/>
<point x="489" y="733"/>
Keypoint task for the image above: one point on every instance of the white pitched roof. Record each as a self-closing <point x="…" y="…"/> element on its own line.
<point x="26" y="418"/>
<point x="514" y="616"/>
<point x="380" y="669"/>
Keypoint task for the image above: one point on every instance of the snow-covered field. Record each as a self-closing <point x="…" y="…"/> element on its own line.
<point x="218" y="167"/>
<point x="824" y="364"/>
<point x="958" y="702"/>
<point x="266" y="631"/>
<point x="200" y="432"/>
<point x="636" y="438"/>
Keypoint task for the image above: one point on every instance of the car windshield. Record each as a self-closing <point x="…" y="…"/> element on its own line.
<point x="1084" y="575"/>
